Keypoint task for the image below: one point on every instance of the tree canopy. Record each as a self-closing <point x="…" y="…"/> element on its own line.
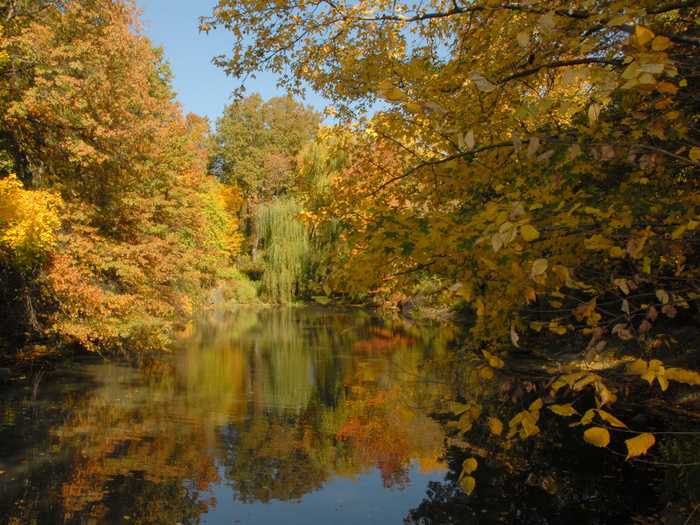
<point x="256" y="143"/>
<point x="538" y="160"/>
<point x="88" y="125"/>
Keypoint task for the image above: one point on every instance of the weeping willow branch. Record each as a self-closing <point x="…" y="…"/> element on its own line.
<point x="286" y="245"/>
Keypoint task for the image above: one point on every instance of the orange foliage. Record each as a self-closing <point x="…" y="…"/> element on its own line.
<point x="145" y="229"/>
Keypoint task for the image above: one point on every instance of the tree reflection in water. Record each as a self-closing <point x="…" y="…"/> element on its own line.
<point x="269" y="406"/>
<point x="273" y="402"/>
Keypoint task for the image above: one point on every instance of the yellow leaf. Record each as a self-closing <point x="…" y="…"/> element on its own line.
<point x="603" y="394"/>
<point x="394" y="95"/>
<point x="609" y="418"/>
<point x="593" y="112"/>
<point x="458" y="408"/>
<point x="523" y="39"/>
<point x="644" y="35"/>
<point x="494" y="361"/>
<point x="662" y="295"/>
<point x="617" y="252"/>
<point x="539" y="267"/>
<point x="637" y="367"/>
<point x="563" y="410"/>
<point x="514" y="337"/>
<point x="585" y="381"/>
<point x="556" y="328"/>
<point x="495" y="426"/>
<point x="657" y="371"/>
<point x="619" y="20"/>
<point x="587" y="417"/>
<point x="497" y="242"/>
<point x="529" y="233"/>
<point x="529" y="426"/>
<point x="486" y="373"/>
<point x="469" y="139"/>
<point x="622" y="285"/>
<point x="469" y="465"/>
<point x="385" y="85"/>
<point x="413" y="107"/>
<point x="597" y="436"/>
<point x="536" y="405"/>
<point x="468" y="485"/>
<point x="695" y="154"/>
<point x="654" y="69"/>
<point x="597" y="242"/>
<point x="639" y="445"/>
<point x="681" y="375"/>
<point x="660" y="43"/>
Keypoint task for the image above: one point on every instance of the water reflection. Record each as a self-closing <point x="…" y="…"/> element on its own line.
<point x="307" y="416"/>
<point x="261" y="415"/>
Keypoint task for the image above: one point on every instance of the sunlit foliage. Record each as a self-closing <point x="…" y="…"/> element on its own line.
<point x="539" y="159"/>
<point x="28" y="224"/>
<point x="87" y="114"/>
<point x="286" y="246"/>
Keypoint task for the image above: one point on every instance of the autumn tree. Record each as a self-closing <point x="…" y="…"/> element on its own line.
<point x="87" y="114"/>
<point x="256" y="143"/>
<point x="255" y="152"/>
<point x="539" y="158"/>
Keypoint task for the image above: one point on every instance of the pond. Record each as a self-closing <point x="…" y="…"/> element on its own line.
<point x="296" y="416"/>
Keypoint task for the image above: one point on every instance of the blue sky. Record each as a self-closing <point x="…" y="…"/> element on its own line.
<point x="202" y="88"/>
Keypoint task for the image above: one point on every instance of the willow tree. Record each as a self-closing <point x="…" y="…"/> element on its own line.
<point x="286" y="246"/>
<point x="255" y="148"/>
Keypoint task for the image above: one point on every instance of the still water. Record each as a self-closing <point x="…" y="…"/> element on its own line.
<point x="310" y="416"/>
<point x="262" y="417"/>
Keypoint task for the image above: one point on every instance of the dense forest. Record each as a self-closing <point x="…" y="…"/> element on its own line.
<point x="527" y="172"/>
<point x="112" y="229"/>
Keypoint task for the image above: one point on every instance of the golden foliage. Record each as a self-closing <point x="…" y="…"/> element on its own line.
<point x="28" y="223"/>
